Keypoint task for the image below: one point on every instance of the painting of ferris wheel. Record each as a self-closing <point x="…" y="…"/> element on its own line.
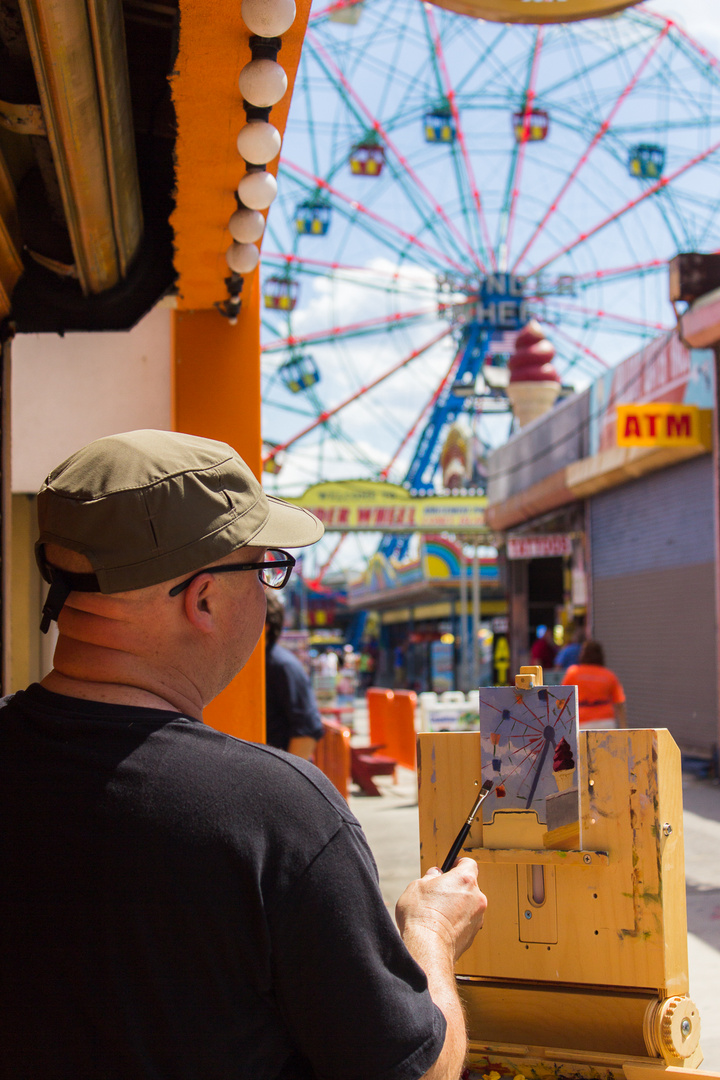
<point x="529" y="742"/>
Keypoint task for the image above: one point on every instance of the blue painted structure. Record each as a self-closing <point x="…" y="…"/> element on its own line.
<point x="500" y="307"/>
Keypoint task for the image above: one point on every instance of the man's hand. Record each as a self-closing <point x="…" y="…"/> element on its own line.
<point x="438" y="916"/>
<point x="449" y="905"/>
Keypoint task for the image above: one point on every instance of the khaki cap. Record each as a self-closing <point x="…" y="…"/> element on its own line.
<point x="148" y="506"/>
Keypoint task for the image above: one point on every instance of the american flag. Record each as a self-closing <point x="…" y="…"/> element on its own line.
<point x="502" y="343"/>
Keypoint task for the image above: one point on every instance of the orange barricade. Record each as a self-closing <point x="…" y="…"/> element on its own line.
<point x="392" y="723"/>
<point x="379" y="703"/>
<point x="332" y="755"/>
<point x="401" y="740"/>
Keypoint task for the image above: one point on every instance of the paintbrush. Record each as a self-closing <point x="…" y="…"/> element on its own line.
<point x="462" y="835"/>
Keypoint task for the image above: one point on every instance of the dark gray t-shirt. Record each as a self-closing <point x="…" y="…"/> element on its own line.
<point x="177" y="904"/>
<point x="290" y="707"/>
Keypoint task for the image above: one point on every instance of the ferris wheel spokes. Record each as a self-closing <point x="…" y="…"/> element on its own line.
<point x="599" y="134"/>
<point x="389" y="144"/>
<point x="452" y="102"/>
<point x="598" y="313"/>
<point x="324" y="416"/>
<point x="578" y="345"/>
<point x="512" y="191"/>
<point x="652" y="190"/>
<point x="588" y="278"/>
<point x="365" y="214"/>
<point x="348" y="272"/>
<point x="382" y="323"/>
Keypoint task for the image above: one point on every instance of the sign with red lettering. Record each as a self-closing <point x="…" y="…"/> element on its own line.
<point x="663" y="423"/>
<point x="376" y="506"/>
<point x="664" y="370"/>
<point x="539" y="547"/>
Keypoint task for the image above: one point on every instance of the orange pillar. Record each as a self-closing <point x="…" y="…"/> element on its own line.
<point x="217" y="395"/>
<point x="217" y="366"/>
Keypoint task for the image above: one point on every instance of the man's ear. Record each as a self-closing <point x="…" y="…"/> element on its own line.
<point x="199" y="600"/>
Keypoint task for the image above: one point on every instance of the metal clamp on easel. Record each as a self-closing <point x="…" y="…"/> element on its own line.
<point x="581" y="967"/>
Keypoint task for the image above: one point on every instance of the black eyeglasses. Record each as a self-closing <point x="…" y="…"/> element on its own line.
<point x="274" y="571"/>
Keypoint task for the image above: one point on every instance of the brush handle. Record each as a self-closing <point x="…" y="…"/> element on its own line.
<point x="462" y="835"/>
<point x="455" y="849"/>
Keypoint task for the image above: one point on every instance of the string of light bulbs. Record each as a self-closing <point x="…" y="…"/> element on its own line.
<point x="262" y="83"/>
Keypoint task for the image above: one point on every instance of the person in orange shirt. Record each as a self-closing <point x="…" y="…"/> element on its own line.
<point x="601" y="697"/>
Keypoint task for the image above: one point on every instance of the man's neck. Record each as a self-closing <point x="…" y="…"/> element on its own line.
<point x="113" y="694"/>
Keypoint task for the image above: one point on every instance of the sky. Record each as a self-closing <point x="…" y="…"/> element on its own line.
<point x="701" y="18"/>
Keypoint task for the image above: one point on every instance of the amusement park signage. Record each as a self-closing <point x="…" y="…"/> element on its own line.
<point x="534" y="11"/>
<point x="505" y="302"/>
<point x="501" y="305"/>
<point x="663" y="424"/>
<point x="543" y="546"/>
<point x="373" y="506"/>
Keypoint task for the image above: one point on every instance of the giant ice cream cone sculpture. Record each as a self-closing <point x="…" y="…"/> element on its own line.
<point x="534" y="383"/>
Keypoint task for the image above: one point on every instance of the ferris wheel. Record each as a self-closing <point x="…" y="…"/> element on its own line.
<point x="431" y="160"/>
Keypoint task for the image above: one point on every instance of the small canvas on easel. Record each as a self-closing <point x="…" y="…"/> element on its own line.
<point x="529" y="741"/>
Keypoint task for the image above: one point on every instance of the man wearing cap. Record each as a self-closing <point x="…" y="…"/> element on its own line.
<point x="178" y="904"/>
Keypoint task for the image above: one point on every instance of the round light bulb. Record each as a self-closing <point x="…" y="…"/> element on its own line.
<point x="246" y="226"/>
<point x="268" y="18"/>
<point x="259" y="142"/>
<point x="262" y="83"/>
<point x="242" y="258"/>
<point x="257" y="190"/>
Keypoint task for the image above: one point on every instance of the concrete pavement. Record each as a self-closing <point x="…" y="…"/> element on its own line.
<point x="391" y="826"/>
<point x="701" y="800"/>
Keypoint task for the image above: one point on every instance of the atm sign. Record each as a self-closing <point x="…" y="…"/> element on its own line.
<point x="663" y="423"/>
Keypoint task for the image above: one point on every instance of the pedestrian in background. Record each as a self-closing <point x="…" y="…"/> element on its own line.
<point x="601" y="698"/>
<point x="570" y="653"/>
<point x="544" y="649"/>
<point x="293" y="720"/>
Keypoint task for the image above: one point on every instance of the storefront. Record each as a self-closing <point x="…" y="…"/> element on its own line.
<point x="632" y="489"/>
<point x="423" y="615"/>
<point x="546" y="577"/>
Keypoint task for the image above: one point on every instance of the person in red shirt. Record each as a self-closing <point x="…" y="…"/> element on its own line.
<point x="601" y="697"/>
<point x="544" y="649"/>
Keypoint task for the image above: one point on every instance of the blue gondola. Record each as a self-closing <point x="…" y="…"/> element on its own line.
<point x="439" y="125"/>
<point x="646" y="161"/>
<point x="299" y="373"/>
<point x="312" y="217"/>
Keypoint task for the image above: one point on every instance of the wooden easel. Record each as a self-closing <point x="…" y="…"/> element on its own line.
<point x="581" y="967"/>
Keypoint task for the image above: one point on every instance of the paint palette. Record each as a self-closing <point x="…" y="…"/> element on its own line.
<point x="529" y="741"/>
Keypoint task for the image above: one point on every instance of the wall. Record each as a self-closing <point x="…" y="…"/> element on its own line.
<point x="653" y="565"/>
<point x="556" y="439"/>
<point x="25" y="664"/>
<point x="67" y="391"/>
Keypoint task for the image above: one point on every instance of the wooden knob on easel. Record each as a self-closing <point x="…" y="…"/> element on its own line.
<point x="672" y="1028"/>
<point x="530" y="675"/>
